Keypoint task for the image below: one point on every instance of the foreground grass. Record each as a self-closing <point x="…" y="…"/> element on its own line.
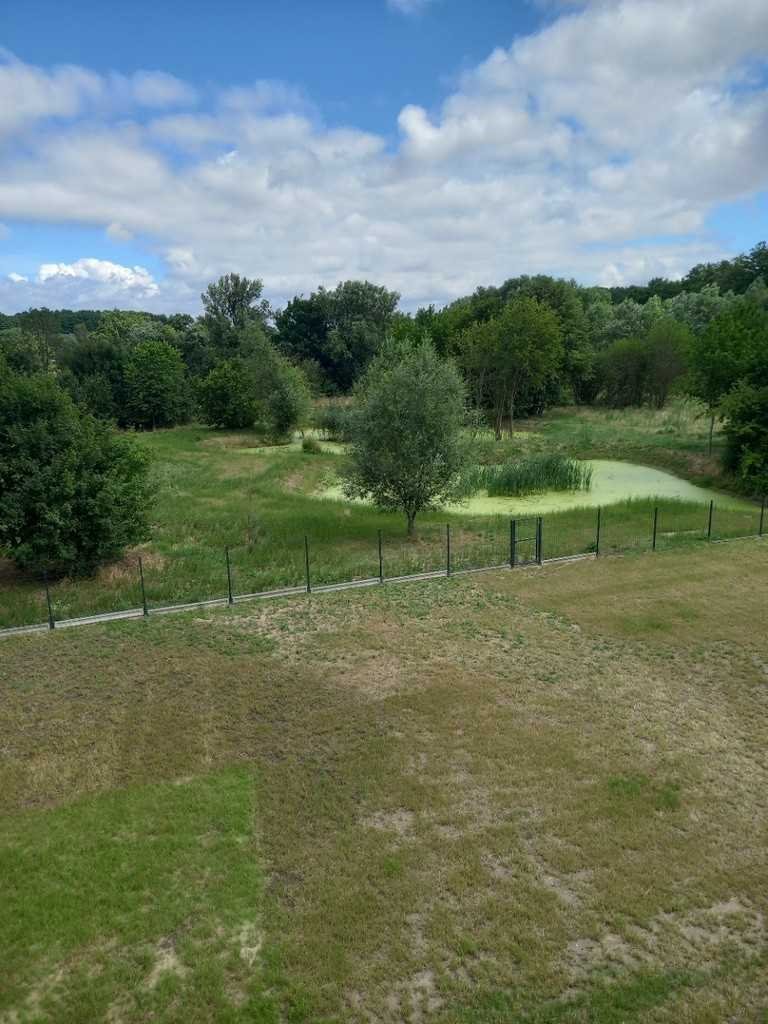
<point x="533" y="796"/>
<point x="218" y="490"/>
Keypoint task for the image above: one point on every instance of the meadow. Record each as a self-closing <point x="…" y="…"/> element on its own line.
<point x="218" y="490"/>
<point x="527" y="797"/>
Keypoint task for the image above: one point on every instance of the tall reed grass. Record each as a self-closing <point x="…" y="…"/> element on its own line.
<point x="532" y="474"/>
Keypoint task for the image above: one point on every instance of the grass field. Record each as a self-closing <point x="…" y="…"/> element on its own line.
<point x="217" y="489"/>
<point x="520" y="797"/>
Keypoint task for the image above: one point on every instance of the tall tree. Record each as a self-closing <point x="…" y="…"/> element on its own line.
<point x="231" y="304"/>
<point x="515" y="354"/>
<point x="408" y="448"/>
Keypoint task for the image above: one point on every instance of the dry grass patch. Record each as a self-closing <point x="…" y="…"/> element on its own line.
<point x="549" y="812"/>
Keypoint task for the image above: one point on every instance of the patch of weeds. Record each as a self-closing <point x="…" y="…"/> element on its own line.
<point x="392" y="867"/>
<point x="629" y="793"/>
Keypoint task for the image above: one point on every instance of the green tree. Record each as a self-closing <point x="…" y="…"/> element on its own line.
<point x="73" y="493"/>
<point x="512" y="356"/>
<point x="408" y="447"/>
<point x="746" y="429"/>
<point x="287" y="401"/>
<point x="341" y="330"/>
<point x="668" y="345"/>
<point x="623" y="372"/>
<point x="734" y="346"/>
<point x="231" y="304"/>
<point x="228" y="396"/>
<point x="156" y="392"/>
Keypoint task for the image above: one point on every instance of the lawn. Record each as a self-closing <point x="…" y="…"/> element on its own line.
<point x="531" y="796"/>
<point x="217" y="490"/>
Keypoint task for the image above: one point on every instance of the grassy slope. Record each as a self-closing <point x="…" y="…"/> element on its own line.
<point x="537" y="796"/>
<point x="214" y="490"/>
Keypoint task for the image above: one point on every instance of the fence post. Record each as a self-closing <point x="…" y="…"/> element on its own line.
<point x="51" y="619"/>
<point x="512" y="542"/>
<point x="597" y="532"/>
<point x="447" y="549"/>
<point x="143" y="589"/>
<point x="230" y="596"/>
<point x="655" y="526"/>
<point x="762" y="517"/>
<point x="709" y="520"/>
<point x="540" y="541"/>
<point x="381" y="560"/>
<point x="306" y="563"/>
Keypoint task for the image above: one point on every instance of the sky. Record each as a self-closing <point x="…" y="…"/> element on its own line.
<point x="428" y="145"/>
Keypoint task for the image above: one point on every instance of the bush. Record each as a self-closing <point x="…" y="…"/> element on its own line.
<point x="311" y="446"/>
<point x="73" y="492"/>
<point x="287" y="402"/>
<point x="228" y="396"/>
<point x="334" y="421"/>
<point x="746" y="431"/>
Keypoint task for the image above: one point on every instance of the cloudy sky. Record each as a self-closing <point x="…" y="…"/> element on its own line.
<point x="429" y="145"/>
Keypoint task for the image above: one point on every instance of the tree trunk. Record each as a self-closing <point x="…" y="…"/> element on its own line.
<point x="511" y="415"/>
<point x="411" y="517"/>
<point x="497" y="424"/>
<point x="711" y="427"/>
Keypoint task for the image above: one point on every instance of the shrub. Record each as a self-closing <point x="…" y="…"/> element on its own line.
<point x="287" y="402"/>
<point x="334" y="421"/>
<point x="73" y="492"/>
<point x="228" y="396"/>
<point x="311" y="446"/>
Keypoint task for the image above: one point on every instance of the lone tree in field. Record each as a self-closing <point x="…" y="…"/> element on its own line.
<point x="408" y="449"/>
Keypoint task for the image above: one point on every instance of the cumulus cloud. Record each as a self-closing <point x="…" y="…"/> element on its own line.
<point x="85" y="283"/>
<point x="594" y="148"/>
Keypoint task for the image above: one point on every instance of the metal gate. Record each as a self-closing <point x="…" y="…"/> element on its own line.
<point x="525" y="541"/>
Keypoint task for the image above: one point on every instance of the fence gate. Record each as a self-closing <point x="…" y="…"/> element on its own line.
<point x="525" y="541"/>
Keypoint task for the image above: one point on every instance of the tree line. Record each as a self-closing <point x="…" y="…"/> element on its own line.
<point x="517" y="348"/>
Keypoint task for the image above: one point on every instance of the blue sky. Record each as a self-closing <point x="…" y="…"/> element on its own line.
<point x="431" y="145"/>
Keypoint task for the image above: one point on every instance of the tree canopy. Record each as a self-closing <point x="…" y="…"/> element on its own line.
<point x="408" y="449"/>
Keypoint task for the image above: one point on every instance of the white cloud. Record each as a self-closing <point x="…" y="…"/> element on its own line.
<point x="624" y="120"/>
<point x="86" y="283"/>
<point x="113" y="275"/>
<point x="29" y="94"/>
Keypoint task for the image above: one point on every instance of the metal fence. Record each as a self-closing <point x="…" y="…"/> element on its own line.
<point x="455" y="550"/>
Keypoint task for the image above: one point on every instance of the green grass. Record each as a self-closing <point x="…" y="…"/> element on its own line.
<point x="144" y="903"/>
<point x="532" y="797"/>
<point x="218" y="490"/>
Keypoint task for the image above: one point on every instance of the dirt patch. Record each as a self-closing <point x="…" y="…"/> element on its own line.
<point x="166" y="962"/>
<point x="399" y="823"/>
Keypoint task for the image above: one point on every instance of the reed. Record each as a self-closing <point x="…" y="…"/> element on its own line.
<point x="532" y="474"/>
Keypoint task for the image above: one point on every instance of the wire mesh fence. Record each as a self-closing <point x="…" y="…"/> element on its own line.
<point x="151" y="582"/>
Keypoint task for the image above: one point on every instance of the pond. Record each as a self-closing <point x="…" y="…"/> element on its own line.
<point x="612" y="482"/>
